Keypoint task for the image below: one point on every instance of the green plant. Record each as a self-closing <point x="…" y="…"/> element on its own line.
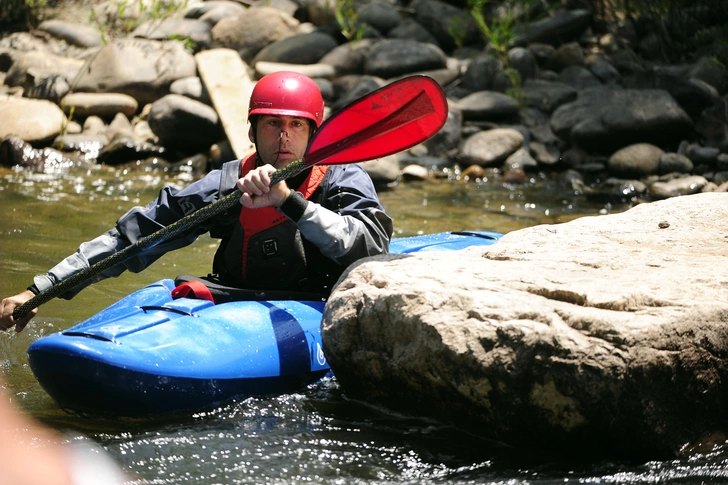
<point x="189" y="44"/>
<point x="347" y="18"/>
<point x="499" y="33"/>
<point x="457" y="32"/>
<point x="129" y="15"/>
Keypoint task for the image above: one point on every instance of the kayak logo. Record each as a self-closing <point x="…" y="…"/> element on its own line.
<point x="320" y="357"/>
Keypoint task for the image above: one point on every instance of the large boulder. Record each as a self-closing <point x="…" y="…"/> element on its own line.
<point x="141" y="68"/>
<point x="604" y="118"/>
<point x="607" y="333"/>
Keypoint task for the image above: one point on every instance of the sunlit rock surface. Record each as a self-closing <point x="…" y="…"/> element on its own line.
<point x="606" y="333"/>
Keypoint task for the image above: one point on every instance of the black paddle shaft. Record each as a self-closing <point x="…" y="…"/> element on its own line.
<point x="148" y="242"/>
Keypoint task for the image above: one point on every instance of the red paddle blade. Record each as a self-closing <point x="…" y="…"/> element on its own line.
<point x="391" y="119"/>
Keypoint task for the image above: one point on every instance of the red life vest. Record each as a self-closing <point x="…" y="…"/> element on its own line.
<point x="264" y="229"/>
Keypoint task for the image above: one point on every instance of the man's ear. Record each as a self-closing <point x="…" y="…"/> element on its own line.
<point x="250" y="134"/>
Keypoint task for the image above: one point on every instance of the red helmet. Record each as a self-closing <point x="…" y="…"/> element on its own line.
<point x="287" y="93"/>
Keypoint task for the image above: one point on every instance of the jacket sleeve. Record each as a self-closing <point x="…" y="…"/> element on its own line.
<point x="171" y="205"/>
<point x="349" y="222"/>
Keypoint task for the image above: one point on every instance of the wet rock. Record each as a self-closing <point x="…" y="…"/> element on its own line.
<point x="16" y="152"/>
<point x="679" y="186"/>
<point x="124" y="150"/>
<point x="616" y="191"/>
<point x="415" y="172"/>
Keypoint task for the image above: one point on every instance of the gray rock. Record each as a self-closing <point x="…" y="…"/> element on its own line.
<point x="546" y="95"/>
<point x="384" y="170"/>
<point x="143" y="69"/>
<point x="568" y="55"/>
<point x="348" y="58"/>
<point x="604" y="118"/>
<point x="701" y="154"/>
<point x="195" y="30"/>
<point x="479" y="74"/>
<point x="306" y="48"/>
<point x="34" y="121"/>
<point x="250" y="32"/>
<point x="524" y="62"/>
<point x="103" y="105"/>
<point x="561" y="26"/>
<point x="604" y="71"/>
<point x="30" y="69"/>
<point x="487" y="105"/>
<point x="578" y="77"/>
<point x="610" y="326"/>
<point x="410" y="29"/>
<point x="293" y="8"/>
<point x="211" y="12"/>
<point x="174" y="114"/>
<point x="490" y="147"/>
<point x="679" y="186"/>
<point x="441" y="19"/>
<point x="362" y="85"/>
<point x="390" y="58"/>
<point x="636" y="160"/>
<point x="77" y="34"/>
<point x="192" y="87"/>
<point x="674" y="162"/>
<point x="381" y="15"/>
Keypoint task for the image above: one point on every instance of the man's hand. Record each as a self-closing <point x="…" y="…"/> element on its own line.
<point x="7" y="307"/>
<point x="257" y="191"/>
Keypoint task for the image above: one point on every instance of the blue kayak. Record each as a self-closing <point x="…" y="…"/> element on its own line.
<point x="150" y="353"/>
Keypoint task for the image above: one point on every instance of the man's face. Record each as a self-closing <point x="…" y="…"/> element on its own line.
<point x="281" y="139"/>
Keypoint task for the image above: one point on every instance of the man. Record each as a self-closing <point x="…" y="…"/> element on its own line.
<point x="299" y="234"/>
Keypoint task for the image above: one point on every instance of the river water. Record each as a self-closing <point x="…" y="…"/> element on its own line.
<point x="316" y="436"/>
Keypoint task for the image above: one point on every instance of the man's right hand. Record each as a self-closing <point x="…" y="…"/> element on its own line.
<point x="9" y="305"/>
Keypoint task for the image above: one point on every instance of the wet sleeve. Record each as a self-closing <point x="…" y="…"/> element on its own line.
<point x="349" y="223"/>
<point x="170" y="205"/>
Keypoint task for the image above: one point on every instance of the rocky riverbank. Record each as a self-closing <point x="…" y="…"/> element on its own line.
<point x="594" y="100"/>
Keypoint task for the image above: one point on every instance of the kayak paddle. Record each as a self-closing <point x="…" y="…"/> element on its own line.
<point x="386" y="121"/>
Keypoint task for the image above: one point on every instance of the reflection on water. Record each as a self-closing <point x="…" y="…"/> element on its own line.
<point x="315" y="437"/>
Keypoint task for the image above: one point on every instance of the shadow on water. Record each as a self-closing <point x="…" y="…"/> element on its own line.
<point x="317" y="436"/>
